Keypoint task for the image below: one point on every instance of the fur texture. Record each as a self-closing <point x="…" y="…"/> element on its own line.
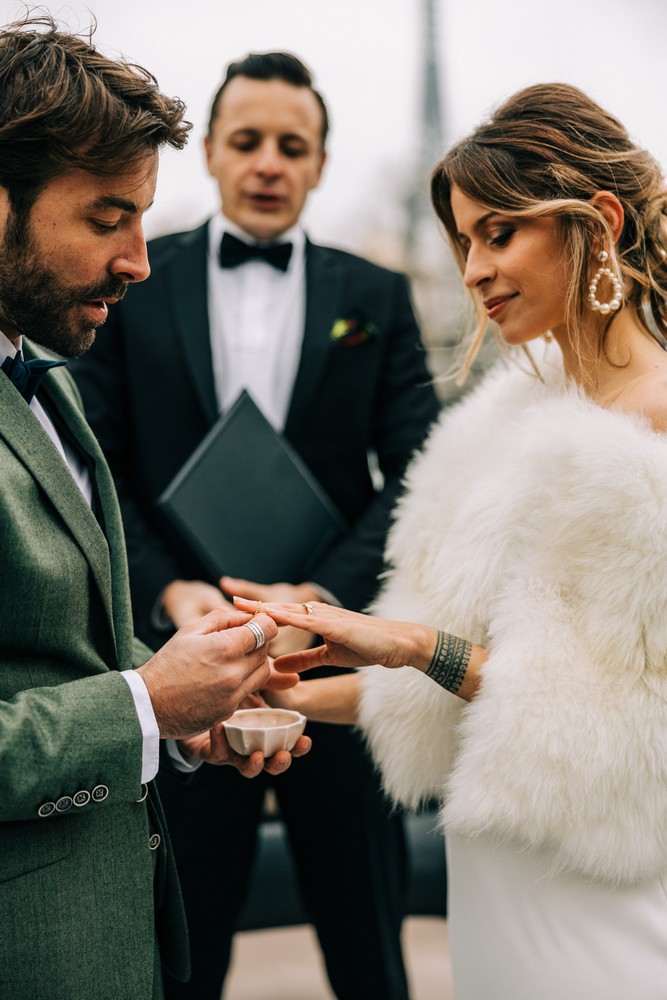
<point x="535" y="524"/>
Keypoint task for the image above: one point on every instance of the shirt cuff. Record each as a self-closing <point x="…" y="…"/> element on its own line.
<point x="150" y="755"/>
<point x="181" y="760"/>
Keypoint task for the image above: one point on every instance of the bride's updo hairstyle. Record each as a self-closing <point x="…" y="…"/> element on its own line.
<point x="545" y="152"/>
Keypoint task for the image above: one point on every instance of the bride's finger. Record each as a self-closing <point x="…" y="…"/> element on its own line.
<point x="301" y="615"/>
<point x="296" y="663"/>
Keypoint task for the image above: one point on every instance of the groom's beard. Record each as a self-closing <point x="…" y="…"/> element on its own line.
<point x="37" y="302"/>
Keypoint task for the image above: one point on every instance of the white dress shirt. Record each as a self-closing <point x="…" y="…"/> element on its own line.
<point x="77" y="466"/>
<point x="256" y="316"/>
<point x="256" y="320"/>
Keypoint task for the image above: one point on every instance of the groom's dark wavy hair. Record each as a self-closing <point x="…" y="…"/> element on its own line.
<point x="271" y="66"/>
<point x="65" y="106"/>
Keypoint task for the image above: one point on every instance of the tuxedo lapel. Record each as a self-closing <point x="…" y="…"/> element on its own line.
<point x="186" y="282"/>
<point x="323" y="283"/>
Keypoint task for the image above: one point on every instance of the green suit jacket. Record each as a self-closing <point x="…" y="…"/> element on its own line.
<point x="83" y="886"/>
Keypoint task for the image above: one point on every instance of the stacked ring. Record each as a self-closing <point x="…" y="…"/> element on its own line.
<point x="258" y="633"/>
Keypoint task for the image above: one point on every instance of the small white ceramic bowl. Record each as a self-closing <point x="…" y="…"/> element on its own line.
<point x="265" y="729"/>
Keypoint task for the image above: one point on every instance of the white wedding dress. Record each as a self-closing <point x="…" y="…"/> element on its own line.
<point x="517" y="933"/>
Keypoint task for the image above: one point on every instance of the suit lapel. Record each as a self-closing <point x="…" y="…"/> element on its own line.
<point x="186" y="282"/>
<point x="27" y="438"/>
<point x="323" y="283"/>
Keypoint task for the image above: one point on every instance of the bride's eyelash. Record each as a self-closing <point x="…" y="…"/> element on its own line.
<point x="501" y="238"/>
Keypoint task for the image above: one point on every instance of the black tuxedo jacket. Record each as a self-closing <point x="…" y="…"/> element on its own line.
<point x="148" y="389"/>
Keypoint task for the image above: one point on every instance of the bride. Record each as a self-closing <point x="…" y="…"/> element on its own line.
<point x="524" y="613"/>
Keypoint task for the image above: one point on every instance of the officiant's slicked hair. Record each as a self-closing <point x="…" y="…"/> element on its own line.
<point x="271" y="66"/>
<point x="65" y="106"/>
<point x="545" y="152"/>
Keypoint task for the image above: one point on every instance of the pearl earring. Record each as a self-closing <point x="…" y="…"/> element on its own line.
<point x="604" y="272"/>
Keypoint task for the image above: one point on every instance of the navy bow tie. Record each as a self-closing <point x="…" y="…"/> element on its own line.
<point x="234" y="252"/>
<point x="27" y="375"/>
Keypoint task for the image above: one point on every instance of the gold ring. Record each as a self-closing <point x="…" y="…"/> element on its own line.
<point x="259" y="604"/>
<point x="310" y="610"/>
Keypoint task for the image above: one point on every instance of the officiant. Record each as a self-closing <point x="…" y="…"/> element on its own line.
<point x="327" y="345"/>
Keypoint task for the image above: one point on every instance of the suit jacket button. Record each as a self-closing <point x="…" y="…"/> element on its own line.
<point x="64" y="803"/>
<point x="144" y="793"/>
<point x="81" y="798"/>
<point x="46" y="809"/>
<point x="99" y="793"/>
<point x="154" y="841"/>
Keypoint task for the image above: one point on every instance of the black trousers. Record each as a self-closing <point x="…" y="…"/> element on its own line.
<point x="349" y="852"/>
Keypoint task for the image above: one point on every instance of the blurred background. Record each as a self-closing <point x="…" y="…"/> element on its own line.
<point x="403" y="79"/>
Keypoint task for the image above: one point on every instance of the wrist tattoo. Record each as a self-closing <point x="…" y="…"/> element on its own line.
<point x="450" y="661"/>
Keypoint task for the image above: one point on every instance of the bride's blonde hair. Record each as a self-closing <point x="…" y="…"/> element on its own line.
<point x="546" y="152"/>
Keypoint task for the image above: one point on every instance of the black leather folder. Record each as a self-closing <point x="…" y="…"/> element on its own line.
<point x="244" y="504"/>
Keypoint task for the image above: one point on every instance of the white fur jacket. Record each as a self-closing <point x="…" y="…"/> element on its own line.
<point x="535" y="524"/>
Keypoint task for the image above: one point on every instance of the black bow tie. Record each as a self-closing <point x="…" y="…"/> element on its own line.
<point x="234" y="252"/>
<point x="27" y="375"/>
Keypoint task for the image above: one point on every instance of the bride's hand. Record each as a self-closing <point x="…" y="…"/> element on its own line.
<point x="350" y="639"/>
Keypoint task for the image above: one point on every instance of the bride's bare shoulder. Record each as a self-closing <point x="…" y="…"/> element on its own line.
<point x="646" y="396"/>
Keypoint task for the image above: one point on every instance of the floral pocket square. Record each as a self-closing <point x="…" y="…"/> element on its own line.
<point x="352" y="331"/>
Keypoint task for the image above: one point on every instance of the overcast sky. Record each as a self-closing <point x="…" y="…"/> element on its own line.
<point x="365" y="55"/>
